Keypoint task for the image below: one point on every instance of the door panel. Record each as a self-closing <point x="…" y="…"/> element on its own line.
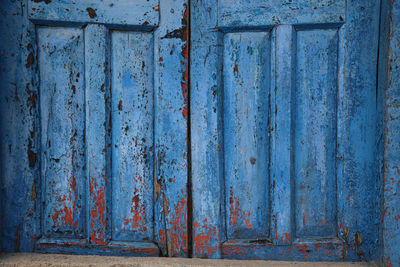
<point x="246" y="133"/>
<point x="132" y="135"/>
<point x="315" y="132"/>
<point x="62" y="109"/>
<point x="283" y="128"/>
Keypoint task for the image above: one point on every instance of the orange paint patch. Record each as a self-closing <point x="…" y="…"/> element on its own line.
<point x="184" y="112"/>
<point x="178" y="223"/>
<point x="97" y="212"/>
<point x="138" y="220"/>
<point x="66" y="215"/>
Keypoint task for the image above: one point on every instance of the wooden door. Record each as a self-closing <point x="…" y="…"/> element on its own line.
<point x="107" y="84"/>
<point x="285" y="129"/>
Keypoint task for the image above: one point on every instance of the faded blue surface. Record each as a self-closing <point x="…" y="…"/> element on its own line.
<point x="62" y="124"/>
<point x="321" y="159"/>
<point x="288" y="156"/>
<point x="391" y="209"/>
<point x="94" y="100"/>
<point x="246" y="134"/>
<point x="132" y="110"/>
<point x="315" y="133"/>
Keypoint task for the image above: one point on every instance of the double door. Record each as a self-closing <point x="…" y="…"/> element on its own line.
<point x="221" y="129"/>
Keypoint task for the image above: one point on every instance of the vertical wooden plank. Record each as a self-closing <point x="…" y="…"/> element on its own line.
<point x="62" y="96"/>
<point x="19" y="146"/>
<point x="315" y="126"/>
<point x="206" y="131"/>
<point x="359" y="190"/>
<point x="132" y="135"/>
<point x="171" y="128"/>
<point x="391" y="208"/>
<point x="283" y="59"/>
<point x="246" y="134"/>
<point x="96" y="100"/>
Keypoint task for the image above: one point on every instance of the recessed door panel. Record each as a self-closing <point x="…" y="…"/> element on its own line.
<point x="315" y="133"/>
<point x="246" y="146"/>
<point x="62" y="113"/>
<point x="132" y="92"/>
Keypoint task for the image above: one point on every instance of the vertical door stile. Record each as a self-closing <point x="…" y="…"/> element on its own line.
<point x="96" y="81"/>
<point x="171" y="60"/>
<point x="206" y="131"/>
<point x="282" y="90"/>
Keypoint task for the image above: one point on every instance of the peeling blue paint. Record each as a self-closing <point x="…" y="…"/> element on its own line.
<point x="217" y="129"/>
<point x="95" y="160"/>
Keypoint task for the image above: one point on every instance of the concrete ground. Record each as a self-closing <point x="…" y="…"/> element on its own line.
<point x="35" y="259"/>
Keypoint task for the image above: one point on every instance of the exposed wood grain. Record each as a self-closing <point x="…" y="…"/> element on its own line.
<point x="323" y="124"/>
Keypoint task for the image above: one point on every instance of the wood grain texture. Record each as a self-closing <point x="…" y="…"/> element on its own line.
<point x="244" y="13"/>
<point x="56" y="186"/>
<point x="206" y="135"/>
<point x="358" y="152"/>
<point x="62" y="113"/>
<point x="246" y="139"/>
<point x="19" y="122"/>
<point x="315" y="132"/>
<point x="171" y="57"/>
<point x="282" y="105"/>
<point x="132" y="111"/>
<point x="391" y="71"/>
<point x="323" y="128"/>
<point x="96" y="84"/>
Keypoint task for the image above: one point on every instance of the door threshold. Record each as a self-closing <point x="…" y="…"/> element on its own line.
<point x="37" y="259"/>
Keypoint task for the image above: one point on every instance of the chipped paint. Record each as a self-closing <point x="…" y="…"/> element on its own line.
<point x="390" y="82"/>
<point x="90" y="169"/>
<point x="292" y="144"/>
<point x="89" y="149"/>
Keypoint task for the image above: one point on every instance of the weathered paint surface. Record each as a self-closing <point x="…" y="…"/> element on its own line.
<point x="19" y="124"/>
<point x="97" y="161"/>
<point x="120" y="13"/>
<point x="132" y="112"/>
<point x="286" y="129"/>
<point x="391" y="209"/>
<point x="97" y="134"/>
<point x="286" y="154"/>
<point x="315" y="132"/>
<point x="171" y="140"/>
<point x="245" y="126"/>
<point x="62" y="134"/>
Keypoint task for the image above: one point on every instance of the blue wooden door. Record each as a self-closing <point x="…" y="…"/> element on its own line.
<point x="285" y="131"/>
<point x="107" y="129"/>
<point x="282" y="159"/>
